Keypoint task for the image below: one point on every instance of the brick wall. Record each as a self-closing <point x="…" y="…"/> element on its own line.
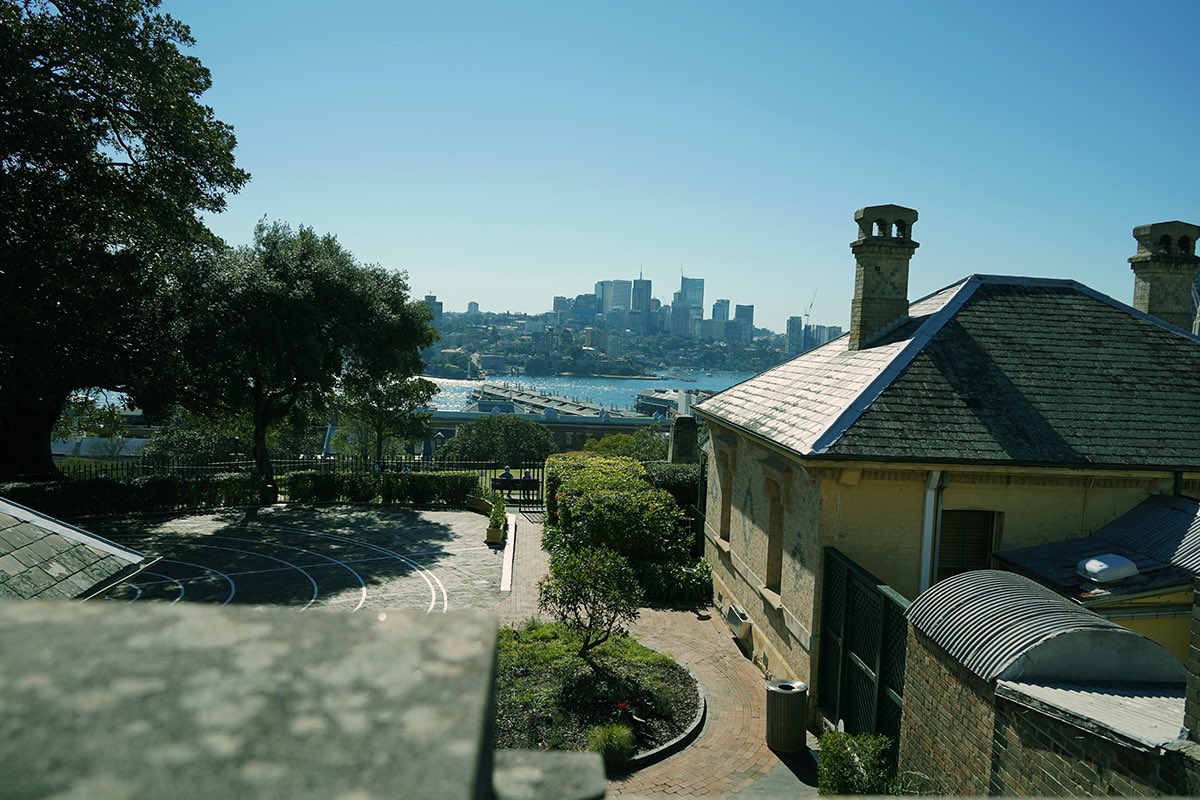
<point x="1034" y="754"/>
<point x="946" y="733"/>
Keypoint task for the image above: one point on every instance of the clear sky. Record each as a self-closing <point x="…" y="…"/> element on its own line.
<point x="506" y="152"/>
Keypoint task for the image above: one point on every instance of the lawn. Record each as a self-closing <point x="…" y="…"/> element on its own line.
<point x="547" y="697"/>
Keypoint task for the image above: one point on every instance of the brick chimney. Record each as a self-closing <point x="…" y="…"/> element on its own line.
<point x="1163" y="269"/>
<point x="881" y="253"/>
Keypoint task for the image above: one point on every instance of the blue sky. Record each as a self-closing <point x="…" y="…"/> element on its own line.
<point x="508" y="152"/>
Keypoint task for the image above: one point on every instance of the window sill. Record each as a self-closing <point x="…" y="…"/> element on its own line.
<point x="771" y="597"/>
<point x="722" y="545"/>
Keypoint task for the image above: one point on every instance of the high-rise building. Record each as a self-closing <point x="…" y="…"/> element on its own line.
<point x="562" y="303"/>
<point x="613" y="294"/>
<point x="434" y="306"/>
<point x="795" y="336"/>
<point x="472" y="308"/>
<point x="640" y="300"/>
<point x="744" y="314"/>
<point x="692" y="291"/>
<point x="721" y="310"/>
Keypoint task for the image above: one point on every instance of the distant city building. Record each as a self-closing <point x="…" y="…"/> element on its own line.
<point x="614" y="294"/>
<point x="721" y="310"/>
<point x="692" y="291"/>
<point x="695" y="317"/>
<point x="472" y="308"/>
<point x="744" y="314"/>
<point x="584" y="308"/>
<point x="434" y="306"/>
<point x="562" y="304"/>
<point x="713" y="329"/>
<point x="795" y="337"/>
<point x="743" y="324"/>
<point x="640" y="300"/>
<point x="680" y="317"/>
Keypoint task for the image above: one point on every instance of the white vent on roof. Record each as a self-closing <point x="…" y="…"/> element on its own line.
<point x="1106" y="568"/>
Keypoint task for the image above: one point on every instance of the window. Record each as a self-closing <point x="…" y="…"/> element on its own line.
<point x="725" y="472"/>
<point x="965" y="542"/>
<point x="774" y="538"/>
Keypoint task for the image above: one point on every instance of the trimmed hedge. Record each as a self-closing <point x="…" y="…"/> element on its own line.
<point x="417" y="488"/>
<point x="99" y="496"/>
<point x="681" y="480"/>
<point x="608" y="502"/>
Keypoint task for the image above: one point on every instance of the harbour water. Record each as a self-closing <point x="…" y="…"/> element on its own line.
<point x="608" y="392"/>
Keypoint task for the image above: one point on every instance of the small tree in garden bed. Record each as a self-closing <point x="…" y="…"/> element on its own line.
<point x="593" y="592"/>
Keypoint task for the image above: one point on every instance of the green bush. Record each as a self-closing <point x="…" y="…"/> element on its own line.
<point x="394" y="487"/>
<point x="158" y="493"/>
<point x="230" y="489"/>
<point x="592" y="591"/>
<point x="358" y="487"/>
<point x="497" y="518"/>
<point x="581" y="472"/>
<point x="101" y="496"/>
<point x="672" y="582"/>
<point x="641" y="523"/>
<point x="614" y="743"/>
<point x="300" y="485"/>
<point x="854" y="764"/>
<point x="681" y="480"/>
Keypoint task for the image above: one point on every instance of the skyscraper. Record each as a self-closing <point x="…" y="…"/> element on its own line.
<point x="613" y="294"/>
<point x="721" y="310"/>
<point x="640" y="300"/>
<point x="795" y="336"/>
<point x="692" y="291"/>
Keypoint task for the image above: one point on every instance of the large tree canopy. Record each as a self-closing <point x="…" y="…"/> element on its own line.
<point x="106" y="160"/>
<point x="386" y="409"/>
<point x="500" y="440"/>
<point x="270" y="328"/>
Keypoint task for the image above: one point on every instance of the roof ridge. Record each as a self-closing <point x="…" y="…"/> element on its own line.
<point x="921" y="337"/>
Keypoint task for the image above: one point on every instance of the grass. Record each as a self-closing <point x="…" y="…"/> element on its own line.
<point x="547" y="697"/>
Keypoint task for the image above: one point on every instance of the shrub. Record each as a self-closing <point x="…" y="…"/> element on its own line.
<point x="231" y="489"/>
<point x="157" y="493"/>
<point x="394" y="487"/>
<point x="641" y="524"/>
<point x="579" y="472"/>
<point x="672" y="582"/>
<point x="357" y="487"/>
<point x="681" y="480"/>
<point x="851" y="764"/>
<point x="593" y="592"/>
<point x="614" y="743"/>
<point x="497" y="518"/>
<point x="301" y="485"/>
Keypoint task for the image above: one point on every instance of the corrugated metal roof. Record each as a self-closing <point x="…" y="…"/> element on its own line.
<point x="992" y="622"/>
<point x="1150" y="716"/>
<point x="1161" y="535"/>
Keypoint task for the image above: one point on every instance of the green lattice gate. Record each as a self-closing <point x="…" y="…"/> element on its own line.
<point x="860" y="677"/>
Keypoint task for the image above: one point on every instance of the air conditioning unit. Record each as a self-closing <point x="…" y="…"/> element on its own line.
<point x="739" y="622"/>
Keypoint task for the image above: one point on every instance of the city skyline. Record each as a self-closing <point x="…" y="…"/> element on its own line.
<point x="505" y="145"/>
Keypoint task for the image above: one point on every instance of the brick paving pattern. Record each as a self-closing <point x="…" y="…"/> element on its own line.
<point x="730" y="754"/>
<point x="529" y="565"/>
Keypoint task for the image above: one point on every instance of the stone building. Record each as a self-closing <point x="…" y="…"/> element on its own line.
<point x="998" y="412"/>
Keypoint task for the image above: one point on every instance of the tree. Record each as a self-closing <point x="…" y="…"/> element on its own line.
<point x="500" y="440"/>
<point x="106" y="160"/>
<point x="644" y="444"/>
<point x="272" y="327"/>
<point x="388" y="408"/>
<point x="593" y="592"/>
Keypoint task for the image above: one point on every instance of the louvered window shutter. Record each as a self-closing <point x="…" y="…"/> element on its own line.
<point x="965" y="542"/>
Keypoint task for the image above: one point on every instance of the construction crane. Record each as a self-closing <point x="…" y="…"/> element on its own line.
<point x="805" y="344"/>
<point x="808" y="310"/>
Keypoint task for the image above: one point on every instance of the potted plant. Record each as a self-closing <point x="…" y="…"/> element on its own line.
<point x="497" y="522"/>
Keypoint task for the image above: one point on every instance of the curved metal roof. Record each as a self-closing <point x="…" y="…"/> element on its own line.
<point x="1002" y="625"/>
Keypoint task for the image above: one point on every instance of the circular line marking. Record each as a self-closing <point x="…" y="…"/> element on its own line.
<point x="229" y="580"/>
<point x="421" y="570"/>
<point x="287" y="564"/>
<point x="362" y="584"/>
<point x="178" y="584"/>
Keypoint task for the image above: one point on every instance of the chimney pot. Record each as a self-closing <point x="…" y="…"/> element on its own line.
<point x="881" y="253"/>
<point x="1164" y="268"/>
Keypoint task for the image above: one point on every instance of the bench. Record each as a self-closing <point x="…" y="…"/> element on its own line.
<point x="528" y="487"/>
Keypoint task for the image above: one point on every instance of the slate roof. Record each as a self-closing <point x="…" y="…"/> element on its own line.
<point x="993" y="369"/>
<point x="43" y="558"/>
<point x="1161" y="536"/>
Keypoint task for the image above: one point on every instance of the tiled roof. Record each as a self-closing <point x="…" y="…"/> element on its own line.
<point x="1160" y="535"/>
<point x="993" y="369"/>
<point x="47" y="559"/>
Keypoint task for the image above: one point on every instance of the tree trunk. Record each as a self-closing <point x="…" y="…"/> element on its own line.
<point x="262" y="459"/>
<point x="25" y="429"/>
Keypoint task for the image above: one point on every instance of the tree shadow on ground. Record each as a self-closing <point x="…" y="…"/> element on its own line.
<point x="293" y="555"/>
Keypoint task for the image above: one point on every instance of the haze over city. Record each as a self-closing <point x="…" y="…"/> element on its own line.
<point x="507" y="153"/>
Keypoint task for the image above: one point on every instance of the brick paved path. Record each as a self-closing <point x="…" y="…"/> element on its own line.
<point x="530" y="563"/>
<point x="730" y="753"/>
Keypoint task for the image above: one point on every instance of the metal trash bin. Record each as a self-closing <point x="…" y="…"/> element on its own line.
<point x="787" y="714"/>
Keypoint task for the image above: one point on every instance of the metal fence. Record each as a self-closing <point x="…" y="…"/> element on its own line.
<point x="149" y="466"/>
<point x="863" y="641"/>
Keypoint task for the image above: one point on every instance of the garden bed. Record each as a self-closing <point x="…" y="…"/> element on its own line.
<point x="547" y="697"/>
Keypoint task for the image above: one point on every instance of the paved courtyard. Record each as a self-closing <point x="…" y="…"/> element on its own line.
<point x="335" y="557"/>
